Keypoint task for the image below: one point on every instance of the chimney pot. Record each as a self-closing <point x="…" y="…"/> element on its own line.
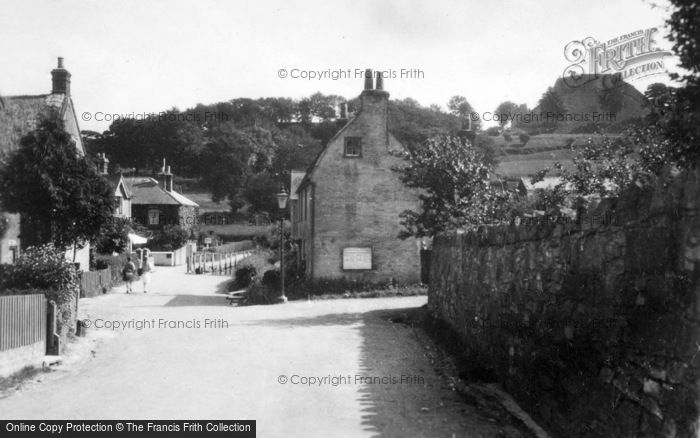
<point x="380" y="81"/>
<point x="60" y="79"/>
<point x="368" y="79"/>
<point x="344" y="110"/>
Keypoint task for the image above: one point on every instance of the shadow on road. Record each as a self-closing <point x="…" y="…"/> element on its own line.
<point x="400" y="394"/>
<point x="196" y="300"/>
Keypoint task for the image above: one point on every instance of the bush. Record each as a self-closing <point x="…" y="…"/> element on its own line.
<point x="507" y="137"/>
<point x="45" y="269"/>
<point x="493" y="131"/>
<point x="114" y="263"/>
<point x="524" y="138"/>
<point x="113" y="236"/>
<point x="271" y="278"/>
<point x="266" y="292"/>
<point x="170" y="238"/>
<point x="244" y="276"/>
<point x="243" y="245"/>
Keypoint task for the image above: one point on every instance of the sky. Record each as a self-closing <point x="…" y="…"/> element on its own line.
<point x="148" y="56"/>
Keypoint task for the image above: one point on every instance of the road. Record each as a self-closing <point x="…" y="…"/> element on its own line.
<point x="256" y="362"/>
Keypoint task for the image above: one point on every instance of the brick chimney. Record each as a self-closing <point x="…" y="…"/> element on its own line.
<point x="167" y="177"/>
<point x="103" y="163"/>
<point x="467" y="132"/>
<point x="374" y="99"/>
<point x="343" y="117"/>
<point x="168" y="180"/>
<point x="60" y="79"/>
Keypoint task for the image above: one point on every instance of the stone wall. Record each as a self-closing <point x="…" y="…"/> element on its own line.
<point x="591" y="323"/>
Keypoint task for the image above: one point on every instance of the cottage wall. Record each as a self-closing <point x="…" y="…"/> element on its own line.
<point x="357" y="201"/>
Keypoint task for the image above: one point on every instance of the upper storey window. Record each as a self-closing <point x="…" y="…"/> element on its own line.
<point x="353" y="147"/>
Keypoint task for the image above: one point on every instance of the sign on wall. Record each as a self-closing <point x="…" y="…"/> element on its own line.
<point x="357" y="258"/>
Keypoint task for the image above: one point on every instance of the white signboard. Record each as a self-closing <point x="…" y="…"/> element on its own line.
<point x="357" y="258"/>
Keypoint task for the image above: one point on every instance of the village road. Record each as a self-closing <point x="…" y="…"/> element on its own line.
<point x="335" y="368"/>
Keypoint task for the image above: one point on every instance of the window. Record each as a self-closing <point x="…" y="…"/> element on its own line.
<point x="153" y="217"/>
<point x="118" y="208"/>
<point x="353" y="147"/>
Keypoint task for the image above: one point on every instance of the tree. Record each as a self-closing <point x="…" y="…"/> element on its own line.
<point x="551" y="107"/>
<point x="455" y="192"/>
<point x="260" y="192"/>
<point x="671" y="137"/>
<point x="59" y="195"/>
<point x="460" y="107"/>
<point x="114" y="236"/>
<point x="413" y="124"/>
<point x="506" y="112"/>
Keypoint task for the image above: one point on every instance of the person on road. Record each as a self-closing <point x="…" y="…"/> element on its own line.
<point x="128" y="274"/>
<point x="146" y="269"/>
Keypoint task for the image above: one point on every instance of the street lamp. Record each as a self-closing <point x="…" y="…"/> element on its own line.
<point x="282" y="198"/>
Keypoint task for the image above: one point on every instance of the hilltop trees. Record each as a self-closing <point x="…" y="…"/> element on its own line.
<point x="61" y="198"/>
<point x="228" y="146"/>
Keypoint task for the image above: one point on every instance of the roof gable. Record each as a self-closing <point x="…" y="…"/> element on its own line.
<point x="19" y="115"/>
<point x="146" y="191"/>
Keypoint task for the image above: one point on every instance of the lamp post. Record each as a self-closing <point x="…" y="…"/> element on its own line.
<point x="282" y="198"/>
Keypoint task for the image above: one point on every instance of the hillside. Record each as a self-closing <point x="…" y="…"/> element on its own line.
<point x="588" y="98"/>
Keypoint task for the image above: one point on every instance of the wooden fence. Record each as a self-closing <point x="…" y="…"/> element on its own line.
<point x="215" y="263"/>
<point x="94" y="283"/>
<point x="22" y="321"/>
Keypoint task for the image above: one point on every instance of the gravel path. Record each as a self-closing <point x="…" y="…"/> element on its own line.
<point x="372" y="377"/>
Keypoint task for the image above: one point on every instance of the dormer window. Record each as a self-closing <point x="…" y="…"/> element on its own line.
<point x="353" y="147"/>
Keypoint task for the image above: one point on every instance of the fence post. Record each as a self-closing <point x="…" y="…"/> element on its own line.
<point x="52" y="338"/>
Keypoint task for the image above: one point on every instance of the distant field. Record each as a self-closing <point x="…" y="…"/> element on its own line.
<point x="544" y="140"/>
<point x="234" y="232"/>
<point x="519" y="165"/>
<point x="560" y="154"/>
<point x="517" y="169"/>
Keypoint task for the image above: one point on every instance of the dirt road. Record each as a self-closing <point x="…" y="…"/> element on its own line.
<point x="335" y="368"/>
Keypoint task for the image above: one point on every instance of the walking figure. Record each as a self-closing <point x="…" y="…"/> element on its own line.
<point x="146" y="269"/>
<point x="128" y="274"/>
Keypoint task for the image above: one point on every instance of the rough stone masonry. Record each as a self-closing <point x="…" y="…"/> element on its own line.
<point x="592" y="324"/>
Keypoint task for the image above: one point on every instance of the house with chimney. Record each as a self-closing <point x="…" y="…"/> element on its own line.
<point x="345" y="208"/>
<point x="155" y="204"/>
<point x="122" y="195"/>
<point x="20" y="115"/>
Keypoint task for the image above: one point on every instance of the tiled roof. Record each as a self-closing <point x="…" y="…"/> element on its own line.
<point x="183" y="199"/>
<point x="146" y="191"/>
<point x="20" y="115"/>
<point x="114" y="181"/>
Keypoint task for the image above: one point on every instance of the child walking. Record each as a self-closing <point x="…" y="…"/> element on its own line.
<point x="128" y="274"/>
<point x="146" y="269"/>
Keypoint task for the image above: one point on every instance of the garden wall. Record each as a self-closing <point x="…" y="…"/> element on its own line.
<point x="592" y="324"/>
